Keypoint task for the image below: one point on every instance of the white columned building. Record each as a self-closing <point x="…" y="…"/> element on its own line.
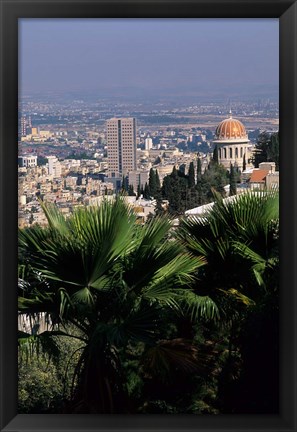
<point x="232" y="142"/>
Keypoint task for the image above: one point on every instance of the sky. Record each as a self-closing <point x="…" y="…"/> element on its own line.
<point x="141" y="57"/>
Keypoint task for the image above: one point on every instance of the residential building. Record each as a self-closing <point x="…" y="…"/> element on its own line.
<point x="148" y="143"/>
<point x="23" y="126"/>
<point x="138" y="178"/>
<point x="27" y="161"/>
<point x="121" y="146"/>
<point x="264" y="177"/>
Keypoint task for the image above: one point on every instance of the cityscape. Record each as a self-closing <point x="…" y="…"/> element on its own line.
<point x="65" y="151"/>
<point x="148" y="215"/>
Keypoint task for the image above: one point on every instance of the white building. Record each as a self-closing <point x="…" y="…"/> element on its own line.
<point x="54" y="166"/>
<point x="148" y="143"/>
<point x="232" y="142"/>
<point x="27" y="161"/>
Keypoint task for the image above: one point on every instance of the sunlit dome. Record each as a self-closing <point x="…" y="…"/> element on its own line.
<point x="230" y="129"/>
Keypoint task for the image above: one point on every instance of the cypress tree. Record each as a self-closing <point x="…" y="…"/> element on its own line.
<point x="243" y="163"/>
<point x="174" y="172"/>
<point x="158" y="160"/>
<point x="260" y="153"/>
<point x="191" y="175"/>
<point x="138" y="191"/>
<point x="233" y="187"/>
<point x="273" y="149"/>
<point x="124" y="184"/>
<point x="152" y="182"/>
<point x="131" y="190"/>
<point x="146" y="194"/>
<point x="158" y="196"/>
<point x="199" y="181"/>
<point x="199" y="169"/>
<point x="215" y="155"/>
<point x="158" y="183"/>
<point x="182" y="170"/>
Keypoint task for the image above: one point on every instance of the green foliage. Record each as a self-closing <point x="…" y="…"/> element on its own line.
<point x="80" y="156"/>
<point x="215" y="155"/>
<point x="45" y="379"/>
<point x="175" y="189"/>
<point x="131" y="191"/>
<point x="158" y="160"/>
<point x="40" y="389"/>
<point x="125" y="186"/>
<point x="214" y="178"/>
<point x="138" y="191"/>
<point x="238" y="244"/>
<point x="142" y="320"/>
<point x="112" y="280"/>
<point x="158" y="183"/>
<point x="146" y="192"/>
<point x="199" y="169"/>
<point x="182" y="192"/>
<point x="267" y="149"/>
<point x="152" y="182"/>
<point x="191" y="175"/>
<point x="233" y="186"/>
<point x="41" y="160"/>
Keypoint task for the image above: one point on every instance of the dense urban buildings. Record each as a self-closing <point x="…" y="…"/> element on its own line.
<point x="76" y="154"/>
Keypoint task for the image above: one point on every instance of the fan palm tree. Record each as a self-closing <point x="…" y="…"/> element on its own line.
<point x="237" y="240"/>
<point x="112" y="281"/>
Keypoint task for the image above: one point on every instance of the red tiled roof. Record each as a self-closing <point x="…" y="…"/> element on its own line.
<point x="258" y="176"/>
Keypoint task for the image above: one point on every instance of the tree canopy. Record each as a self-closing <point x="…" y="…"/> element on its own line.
<point x="267" y="149"/>
<point x="151" y="319"/>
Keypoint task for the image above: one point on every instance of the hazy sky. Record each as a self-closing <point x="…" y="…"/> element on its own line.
<point x="149" y="56"/>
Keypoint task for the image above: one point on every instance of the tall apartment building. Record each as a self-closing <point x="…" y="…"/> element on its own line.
<point x="23" y="126"/>
<point x="148" y="143"/>
<point x="121" y="146"/>
<point x="54" y="166"/>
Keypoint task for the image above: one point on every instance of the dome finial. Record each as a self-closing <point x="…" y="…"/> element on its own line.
<point x="230" y="112"/>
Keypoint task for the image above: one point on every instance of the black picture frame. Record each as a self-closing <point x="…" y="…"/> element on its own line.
<point x="11" y="11"/>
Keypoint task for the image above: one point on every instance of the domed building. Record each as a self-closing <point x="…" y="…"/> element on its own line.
<point x="232" y="142"/>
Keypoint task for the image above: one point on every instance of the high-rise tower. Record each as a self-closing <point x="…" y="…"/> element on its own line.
<point x="148" y="143"/>
<point x="121" y="146"/>
<point x="23" y="126"/>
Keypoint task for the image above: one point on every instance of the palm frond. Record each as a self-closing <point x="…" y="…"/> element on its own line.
<point x="236" y="294"/>
<point x="170" y="278"/>
<point x="168" y="355"/>
<point x="199" y="306"/>
<point x="55" y="218"/>
<point x="83" y="296"/>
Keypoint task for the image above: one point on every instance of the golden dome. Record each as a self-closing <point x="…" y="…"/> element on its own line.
<point x="230" y="129"/>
